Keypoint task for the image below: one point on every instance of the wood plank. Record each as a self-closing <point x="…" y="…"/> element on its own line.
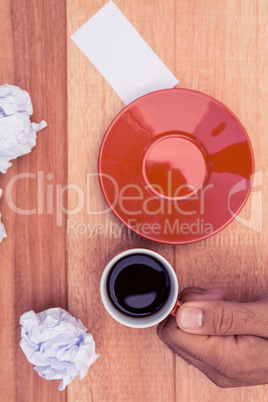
<point x="33" y="270"/>
<point x="227" y="60"/>
<point x="133" y="364"/>
<point x="7" y="288"/>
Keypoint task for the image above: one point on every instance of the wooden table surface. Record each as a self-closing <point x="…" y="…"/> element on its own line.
<point x="218" y="47"/>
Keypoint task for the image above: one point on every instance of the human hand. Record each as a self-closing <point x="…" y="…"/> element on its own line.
<point x="227" y="341"/>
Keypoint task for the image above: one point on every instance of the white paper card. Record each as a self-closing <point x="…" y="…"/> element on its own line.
<point x="121" y="55"/>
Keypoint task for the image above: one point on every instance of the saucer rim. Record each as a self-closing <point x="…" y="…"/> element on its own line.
<point x="203" y="237"/>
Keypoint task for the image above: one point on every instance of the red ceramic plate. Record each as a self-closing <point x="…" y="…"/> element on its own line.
<point x="176" y="166"/>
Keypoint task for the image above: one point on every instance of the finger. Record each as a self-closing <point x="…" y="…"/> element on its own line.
<point x="172" y="336"/>
<point x="162" y="324"/>
<point x="202" y="295"/>
<point x="198" y="347"/>
<point x="169" y="333"/>
<point x="201" y="291"/>
<point x="224" y="318"/>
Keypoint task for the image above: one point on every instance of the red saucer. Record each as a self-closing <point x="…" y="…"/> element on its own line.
<point x="176" y="166"/>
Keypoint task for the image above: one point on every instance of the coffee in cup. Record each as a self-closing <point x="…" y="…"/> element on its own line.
<point x="139" y="288"/>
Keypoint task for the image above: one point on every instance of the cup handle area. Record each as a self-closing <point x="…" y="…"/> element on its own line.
<point x="176" y="308"/>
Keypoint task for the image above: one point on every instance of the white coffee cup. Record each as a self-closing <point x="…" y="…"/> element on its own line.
<point x="170" y="306"/>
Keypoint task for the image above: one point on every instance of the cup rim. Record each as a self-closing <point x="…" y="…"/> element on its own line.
<point x="142" y="322"/>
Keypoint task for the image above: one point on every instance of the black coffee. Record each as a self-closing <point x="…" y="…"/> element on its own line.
<point x="138" y="285"/>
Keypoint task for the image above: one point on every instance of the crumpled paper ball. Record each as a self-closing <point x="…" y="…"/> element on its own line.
<point x="17" y="132"/>
<point x="58" y="345"/>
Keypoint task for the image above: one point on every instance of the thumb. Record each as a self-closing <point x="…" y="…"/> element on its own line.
<point x="224" y="318"/>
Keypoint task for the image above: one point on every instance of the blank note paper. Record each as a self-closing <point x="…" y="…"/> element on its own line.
<point x="121" y="55"/>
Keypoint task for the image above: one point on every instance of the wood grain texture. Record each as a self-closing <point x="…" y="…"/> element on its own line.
<point x="218" y="47"/>
<point x="131" y="363"/>
<point x="215" y="47"/>
<point x="228" y="60"/>
<point x="33" y="257"/>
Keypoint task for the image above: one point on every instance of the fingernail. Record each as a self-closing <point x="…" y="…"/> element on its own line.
<point x="191" y="317"/>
